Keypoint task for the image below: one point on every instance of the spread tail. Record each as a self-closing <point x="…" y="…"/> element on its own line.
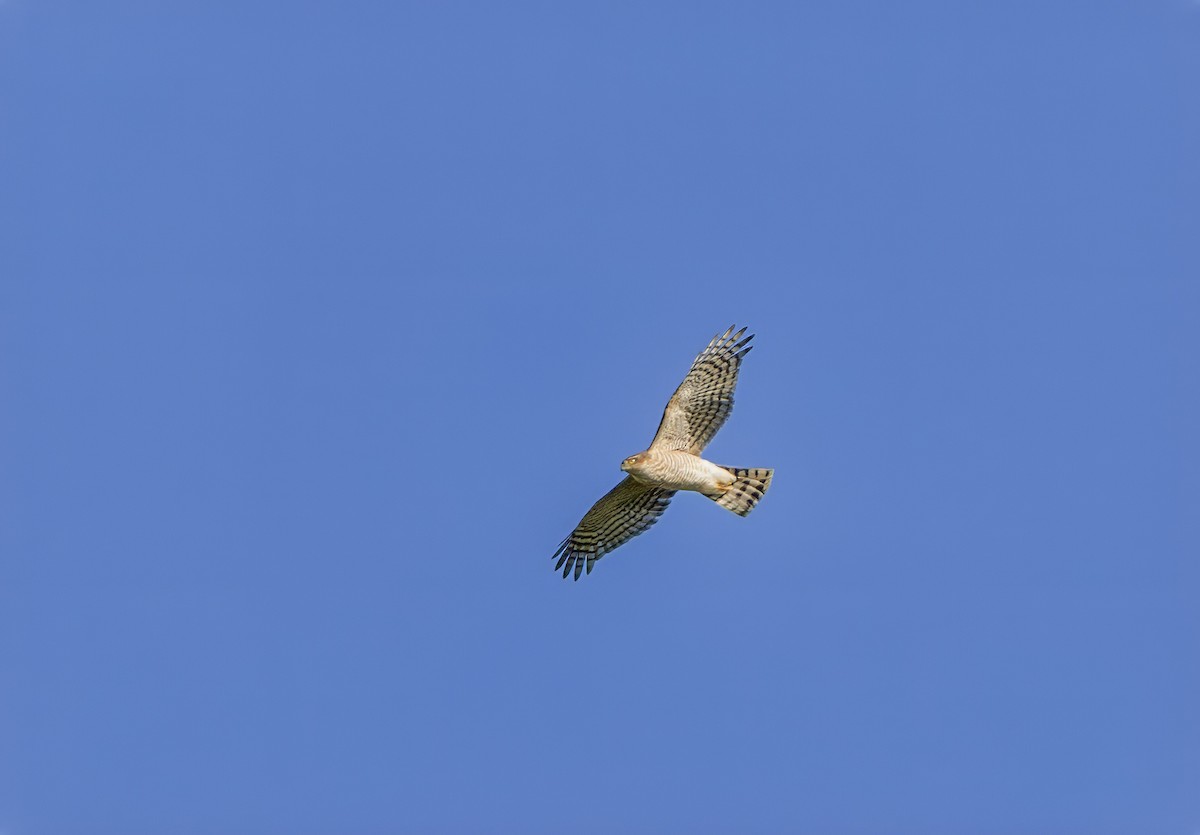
<point x="743" y="494"/>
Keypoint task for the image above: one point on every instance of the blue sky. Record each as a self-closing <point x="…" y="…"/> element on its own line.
<point x="321" y="325"/>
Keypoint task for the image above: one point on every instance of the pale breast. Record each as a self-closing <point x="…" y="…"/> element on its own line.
<point x="683" y="471"/>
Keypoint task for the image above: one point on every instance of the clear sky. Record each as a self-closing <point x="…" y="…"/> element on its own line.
<point x="322" y="324"/>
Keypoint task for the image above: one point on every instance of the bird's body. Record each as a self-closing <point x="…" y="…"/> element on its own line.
<point x="672" y="463"/>
<point x="677" y="470"/>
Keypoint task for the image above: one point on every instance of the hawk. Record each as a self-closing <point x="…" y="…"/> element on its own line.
<point x="672" y="463"/>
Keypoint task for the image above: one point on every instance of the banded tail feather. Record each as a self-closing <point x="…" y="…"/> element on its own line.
<point x="743" y="494"/>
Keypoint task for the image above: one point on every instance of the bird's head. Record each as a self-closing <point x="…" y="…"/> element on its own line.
<point x="632" y="461"/>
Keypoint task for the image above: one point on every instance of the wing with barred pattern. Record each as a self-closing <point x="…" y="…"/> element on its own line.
<point x="624" y="512"/>
<point x="704" y="399"/>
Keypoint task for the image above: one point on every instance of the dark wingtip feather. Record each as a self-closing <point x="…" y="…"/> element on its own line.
<point x="724" y="342"/>
<point x="562" y="553"/>
<point x="718" y="339"/>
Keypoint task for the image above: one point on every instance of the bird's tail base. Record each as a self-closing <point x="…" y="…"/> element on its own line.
<point x="744" y="493"/>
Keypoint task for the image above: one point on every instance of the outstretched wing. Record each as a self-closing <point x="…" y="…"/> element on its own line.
<point x="625" y="511"/>
<point x="705" y="397"/>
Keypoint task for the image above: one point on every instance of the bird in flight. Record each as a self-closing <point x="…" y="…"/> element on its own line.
<point x="672" y="463"/>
